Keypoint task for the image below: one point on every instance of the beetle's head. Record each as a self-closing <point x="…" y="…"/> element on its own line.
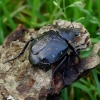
<point x="81" y="35"/>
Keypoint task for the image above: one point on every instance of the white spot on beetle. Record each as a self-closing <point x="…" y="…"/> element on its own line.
<point x="54" y="39"/>
<point x="49" y="48"/>
<point x="61" y="53"/>
<point x="53" y="56"/>
<point x="56" y="48"/>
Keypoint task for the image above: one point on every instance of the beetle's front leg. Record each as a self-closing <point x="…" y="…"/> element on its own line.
<point x="22" y="52"/>
<point x="68" y="63"/>
<point x="75" y="51"/>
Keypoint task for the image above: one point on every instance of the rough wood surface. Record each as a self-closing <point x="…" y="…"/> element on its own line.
<point x="20" y="81"/>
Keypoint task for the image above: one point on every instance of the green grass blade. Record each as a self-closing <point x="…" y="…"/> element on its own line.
<point x="56" y="3"/>
<point x="64" y="94"/>
<point x="84" y="88"/>
<point x="96" y="80"/>
<point x="15" y="12"/>
<point x="8" y="15"/>
<point x="98" y="9"/>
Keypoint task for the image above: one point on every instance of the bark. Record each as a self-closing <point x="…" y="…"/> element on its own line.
<point x="21" y="81"/>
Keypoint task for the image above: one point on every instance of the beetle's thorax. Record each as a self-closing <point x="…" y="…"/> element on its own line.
<point x="67" y="34"/>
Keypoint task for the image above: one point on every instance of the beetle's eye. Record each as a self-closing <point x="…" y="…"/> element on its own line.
<point x="76" y="32"/>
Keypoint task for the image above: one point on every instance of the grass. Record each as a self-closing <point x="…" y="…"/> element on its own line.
<point x="36" y="13"/>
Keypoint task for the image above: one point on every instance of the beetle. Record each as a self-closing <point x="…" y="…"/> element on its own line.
<point x="51" y="47"/>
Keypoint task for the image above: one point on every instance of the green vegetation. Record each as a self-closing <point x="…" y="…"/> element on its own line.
<point x="36" y="13"/>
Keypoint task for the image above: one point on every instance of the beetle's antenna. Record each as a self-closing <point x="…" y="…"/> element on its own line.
<point x="22" y="52"/>
<point x="72" y="23"/>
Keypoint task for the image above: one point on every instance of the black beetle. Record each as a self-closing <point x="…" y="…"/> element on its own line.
<point x="50" y="47"/>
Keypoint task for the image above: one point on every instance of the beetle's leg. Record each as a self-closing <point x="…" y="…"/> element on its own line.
<point x="57" y="68"/>
<point x="74" y="50"/>
<point x="68" y="62"/>
<point x="72" y="23"/>
<point x="22" y="52"/>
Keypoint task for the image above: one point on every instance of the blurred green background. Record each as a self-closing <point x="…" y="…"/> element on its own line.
<point x="36" y="13"/>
